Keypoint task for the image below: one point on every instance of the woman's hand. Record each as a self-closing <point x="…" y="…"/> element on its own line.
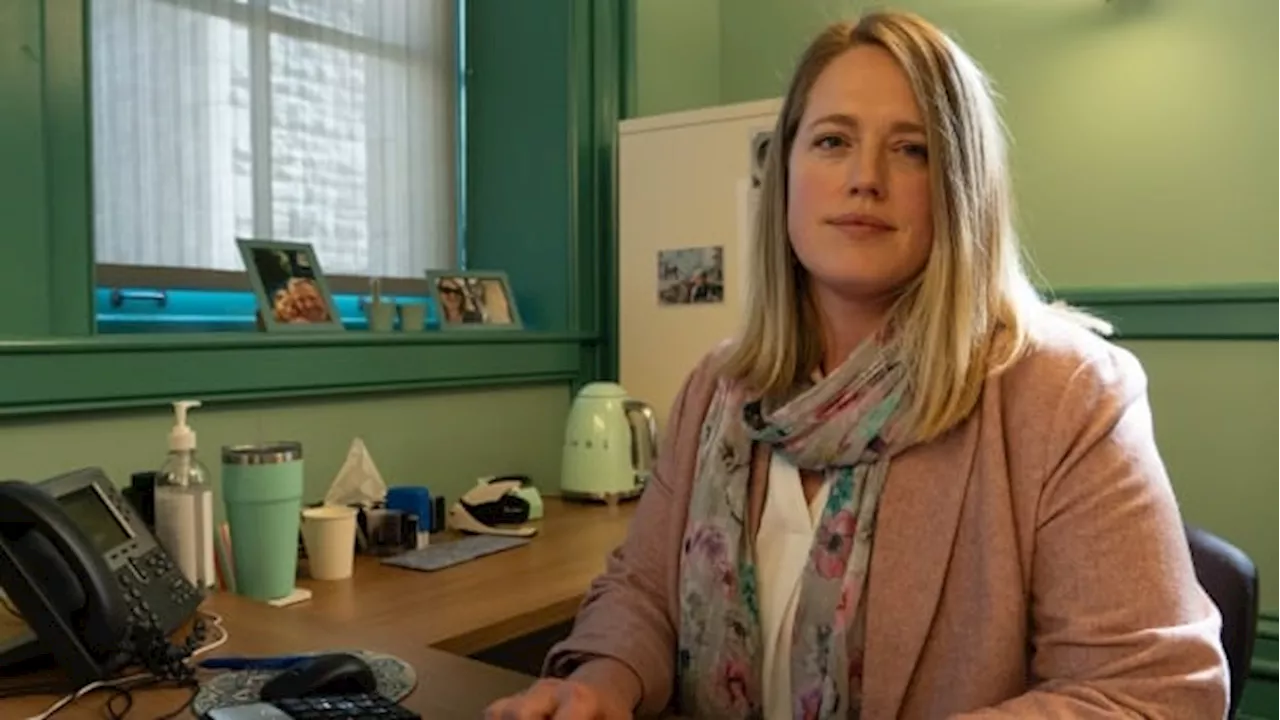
<point x="553" y="699"/>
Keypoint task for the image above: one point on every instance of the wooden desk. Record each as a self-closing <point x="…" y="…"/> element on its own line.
<point x="479" y="604"/>
<point x="429" y="620"/>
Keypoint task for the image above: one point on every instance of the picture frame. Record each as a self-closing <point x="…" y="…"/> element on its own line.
<point x="691" y="275"/>
<point x="474" y="300"/>
<point x="289" y="285"/>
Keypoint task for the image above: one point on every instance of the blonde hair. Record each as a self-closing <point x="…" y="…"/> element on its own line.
<point x="966" y="315"/>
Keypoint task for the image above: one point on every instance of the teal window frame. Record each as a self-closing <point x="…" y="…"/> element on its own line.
<point x="556" y="244"/>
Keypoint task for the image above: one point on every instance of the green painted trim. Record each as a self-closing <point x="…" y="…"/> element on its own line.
<point x="1264" y="661"/>
<point x="68" y="163"/>
<point x="595" y="83"/>
<point x="1242" y="312"/>
<point x="131" y="371"/>
<point x="519" y="160"/>
<point x="1269" y="625"/>
<point x="580" y="251"/>
<point x="609" y="61"/>
<point x="460" y="129"/>
<point x="24" y="185"/>
<point x="627" y="50"/>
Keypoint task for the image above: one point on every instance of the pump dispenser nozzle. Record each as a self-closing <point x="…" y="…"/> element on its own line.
<point x="184" y="503"/>
<point x="182" y="437"/>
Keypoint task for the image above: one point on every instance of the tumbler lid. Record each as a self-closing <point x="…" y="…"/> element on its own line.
<point x="263" y="454"/>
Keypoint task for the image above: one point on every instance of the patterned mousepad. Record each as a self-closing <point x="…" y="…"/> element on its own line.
<point x="396" y="679"/>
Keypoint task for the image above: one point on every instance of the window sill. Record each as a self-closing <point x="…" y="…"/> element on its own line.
<point x="127" y="371"/>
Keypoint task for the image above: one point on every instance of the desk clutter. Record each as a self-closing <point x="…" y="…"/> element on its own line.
<point x="89" y="680"/>
<point x="257" y="551"/>
<point x="115" y="586"/>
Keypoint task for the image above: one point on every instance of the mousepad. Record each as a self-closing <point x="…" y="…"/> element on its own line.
<point x="396" y="679"/>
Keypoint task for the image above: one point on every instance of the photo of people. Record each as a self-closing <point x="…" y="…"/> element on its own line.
<point x="474" y="300"/>
<point x="288" y="280"/>
<point x="691" y="276"/>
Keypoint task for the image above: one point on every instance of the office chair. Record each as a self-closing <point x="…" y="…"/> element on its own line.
<point x="1231" y="580"/>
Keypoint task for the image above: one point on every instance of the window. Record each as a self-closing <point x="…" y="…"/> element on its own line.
<point x="324" y="121"/>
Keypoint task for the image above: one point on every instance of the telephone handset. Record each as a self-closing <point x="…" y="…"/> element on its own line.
<point x="58" y="581"/>
<point x="85" y="574"/>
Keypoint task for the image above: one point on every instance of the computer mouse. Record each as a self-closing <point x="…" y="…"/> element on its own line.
<point x="330" y="674"/>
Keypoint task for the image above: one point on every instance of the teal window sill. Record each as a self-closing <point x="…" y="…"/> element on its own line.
<point x="126" y="371"/>
<point x="222" y="311"/>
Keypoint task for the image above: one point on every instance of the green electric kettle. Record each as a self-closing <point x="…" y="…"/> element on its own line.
<point x="610" y="445"/>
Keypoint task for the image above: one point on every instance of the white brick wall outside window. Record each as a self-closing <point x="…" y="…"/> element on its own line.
<point x="325" y="121"/>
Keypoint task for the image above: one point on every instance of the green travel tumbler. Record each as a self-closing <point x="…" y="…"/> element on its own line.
<point x="262" y="489"/>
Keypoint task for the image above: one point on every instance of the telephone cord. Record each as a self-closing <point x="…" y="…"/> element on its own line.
<point x="125" y="684"/>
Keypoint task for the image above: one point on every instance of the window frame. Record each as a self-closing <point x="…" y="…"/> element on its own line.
<point x="58" y="363"/>
<point x="261" y="23"/>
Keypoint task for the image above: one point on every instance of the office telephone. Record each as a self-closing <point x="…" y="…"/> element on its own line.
<point x="85" y="575"/>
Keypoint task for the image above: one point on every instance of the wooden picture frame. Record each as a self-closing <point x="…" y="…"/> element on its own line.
<point x="474" y="300"/>
<point x="290" y="286"/>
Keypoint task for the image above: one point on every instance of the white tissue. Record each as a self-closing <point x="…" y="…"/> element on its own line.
<point x="358" y="482"/>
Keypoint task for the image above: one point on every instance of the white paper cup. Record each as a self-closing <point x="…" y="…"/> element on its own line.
<point x="329" y="533"/>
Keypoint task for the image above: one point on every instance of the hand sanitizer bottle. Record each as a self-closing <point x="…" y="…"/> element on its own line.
<point x="184" y="503"/>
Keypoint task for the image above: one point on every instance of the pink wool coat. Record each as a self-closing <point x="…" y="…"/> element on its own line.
<point x="1031" y="563"/>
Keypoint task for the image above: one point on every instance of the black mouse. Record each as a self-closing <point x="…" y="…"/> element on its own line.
<point x="331" y="674"/>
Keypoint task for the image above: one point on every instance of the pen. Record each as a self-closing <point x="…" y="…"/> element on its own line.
<point x="275" y="662"/>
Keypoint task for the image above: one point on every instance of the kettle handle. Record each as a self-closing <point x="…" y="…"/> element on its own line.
<point x="651" y="425"/>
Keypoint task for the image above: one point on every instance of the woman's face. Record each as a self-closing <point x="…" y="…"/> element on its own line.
<point x="451" y="296"/>
<point x="858" y="197"/>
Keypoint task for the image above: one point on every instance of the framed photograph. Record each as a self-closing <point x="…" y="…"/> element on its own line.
<point x="691" y="276"/>
<point x="290" y="286"/>
<point x="473" y="299"/>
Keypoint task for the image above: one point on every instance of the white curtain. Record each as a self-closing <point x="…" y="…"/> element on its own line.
<point x="322" y="121"/>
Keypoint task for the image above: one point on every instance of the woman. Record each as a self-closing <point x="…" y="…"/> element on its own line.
<point x="456" y="305"/>
<point x="910" y="488"/>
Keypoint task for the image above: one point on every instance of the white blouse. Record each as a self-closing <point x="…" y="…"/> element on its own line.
<point x="782" y="548"/>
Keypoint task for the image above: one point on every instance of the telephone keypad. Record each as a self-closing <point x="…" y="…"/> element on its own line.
<point x="157" y="592"/>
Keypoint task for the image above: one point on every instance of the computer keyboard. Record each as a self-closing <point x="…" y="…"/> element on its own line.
<point x="371" y="706"/>
<point x="446" y="554"/>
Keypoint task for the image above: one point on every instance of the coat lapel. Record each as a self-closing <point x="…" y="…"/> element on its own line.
<point x="914" y="535"/>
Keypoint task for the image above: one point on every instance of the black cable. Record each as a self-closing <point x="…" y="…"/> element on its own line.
<point x="148" y="647"/>
<point x="117" y="692"/>
<point x="150" y="683"/>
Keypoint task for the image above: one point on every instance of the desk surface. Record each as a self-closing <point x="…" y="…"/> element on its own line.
<point x="430" y="620"/>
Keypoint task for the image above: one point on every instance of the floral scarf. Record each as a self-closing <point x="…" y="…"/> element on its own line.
<point x="845" y="425"/>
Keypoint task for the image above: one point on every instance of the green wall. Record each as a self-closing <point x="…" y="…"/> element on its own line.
<point x="444" y="440"/>
<point x="677" y="55"/>
<point x="1142" y="141"/>
<point x="1142" y="158"/>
